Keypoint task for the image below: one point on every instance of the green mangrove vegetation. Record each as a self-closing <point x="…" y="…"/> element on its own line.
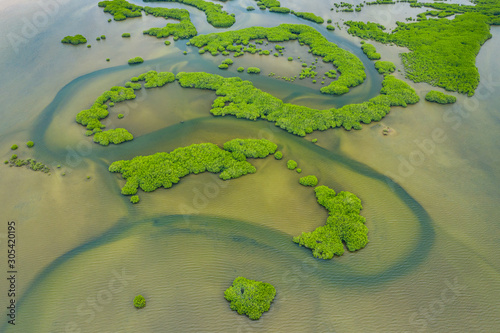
<point x="309" y="17"/>
<point x="249" y="297"/>
<point x="278" y="155"/>
<point x="443" y="52"/>
<point x="310" y="180"/>
<point x="122" y="9"/>
<point x="29" y="163"/>
<point x="14" y="147"/>
<point x="370" y="51"/>
<point x="184" y="29"/>
<point x="344" y="225"/>
<point x="241" y="99"/>
<point x="439" y="97"/>
<point x="291" y="164"/>
<point x="74" y="40"/>
<point x="253" y="70"/>
<point x="215" y="15"/>
<point x="99" y="110"/>
<point x="351" y="68"/>
<point x="30" y="144"/>
<point x="125" y="34"/>
<point x="135" y="199"/>
<point x="139" y="301"/>
<point x="385" y="67"/>
<point x="489" y="8"/>
<point x="281" y="10"/>
<point x="136" y="60"/>
<point x="166" y="169"/>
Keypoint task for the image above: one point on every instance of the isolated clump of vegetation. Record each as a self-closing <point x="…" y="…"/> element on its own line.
<point x="443" y="52"/>
<point x="166" y="169"/>
<point x="250" y="8"/>
<point x="330" y="27"/>
<point x="281" y="10"/>
<point x="385" y="67"/>
<point x="241" y="69"/>
<point x="167" y="42"/>
<point x="439" y="97"/>
<point x="309" y="17"/>
<point x="278" y="155"/>
<point x="215" y="15"/>
<point x="139" y="301"/>
<point x="75" y="40"/>
<point x="241" y="99"/>
<point x="29" y="163"/>
<point x="14" y="147"/>
<point x="249" y="297"/>
<point x="125" y="34"/>
<point x="344" y="225"/>
<point x="291" y="164"/>
<point x="136" y="60"/>
<point x="30" y="144"/>
<point x="115" y="136"/>
<point x="253" y="70"/>
<point x="120" y="116"/>
<point x="370" y="51"/>
<point x="310" y="180"/>
<point x="351" y="68"/>
<point x="134" y="199"/>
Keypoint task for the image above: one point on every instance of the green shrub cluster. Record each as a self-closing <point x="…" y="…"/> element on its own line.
<point x="136" y="60"/>
<point x="309" y="17"/>
<point x="165" y="169"/>
<point x="278" y="155"/>
<point x="489" y="8"/>
<point x="249" y="297"/>
<point x="125" y="34"/>
<point x="250" y="8"/>
<point x="332" y="74"/>
<point x="330" y="27"/>
<point x="241" y="99"/>
<point x="439" y="97"/>
<point x="268" y="3"/>
<point x="121" y="9"/>
<point x="139" y="301"/>
<point x="241" y="69"/>
<point x="28" y="163"/>
<point x="291" y="164"/>
<point x="134" y="199"/>
<point x="350" y="67"/>
<point x="281" y="10"/>
<point x="310" y="180"/>
<point x="182" y="30"/>
<point x="215" y="15"/>
<point x="153" y="79"/>
<point x="370" y="51"/>
<point x="75" y="40"/>
<point x="14" y="147"/>
<point x="116" y="136"/>
<point x="253" y="70"/>
<point x="443" y="52"/>
<point x="385" y="67"/>
<point x="344" y="225"/>
<point x="30" y="144"/>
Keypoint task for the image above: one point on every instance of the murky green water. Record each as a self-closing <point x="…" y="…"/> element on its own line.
<point x="84" y="252"/>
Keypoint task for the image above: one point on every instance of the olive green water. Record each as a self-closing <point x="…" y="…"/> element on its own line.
<point x="84" y="251"/>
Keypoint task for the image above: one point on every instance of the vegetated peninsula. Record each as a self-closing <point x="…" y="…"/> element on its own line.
<point x="166" y="169"/>
<point x="351" y="68"/>
<point x="74" y="40"/>
<point x="344" y="225"/>
<point x="241" y="99"/>
<point x="249" y="297"/>
<point x="443" y="52"/>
